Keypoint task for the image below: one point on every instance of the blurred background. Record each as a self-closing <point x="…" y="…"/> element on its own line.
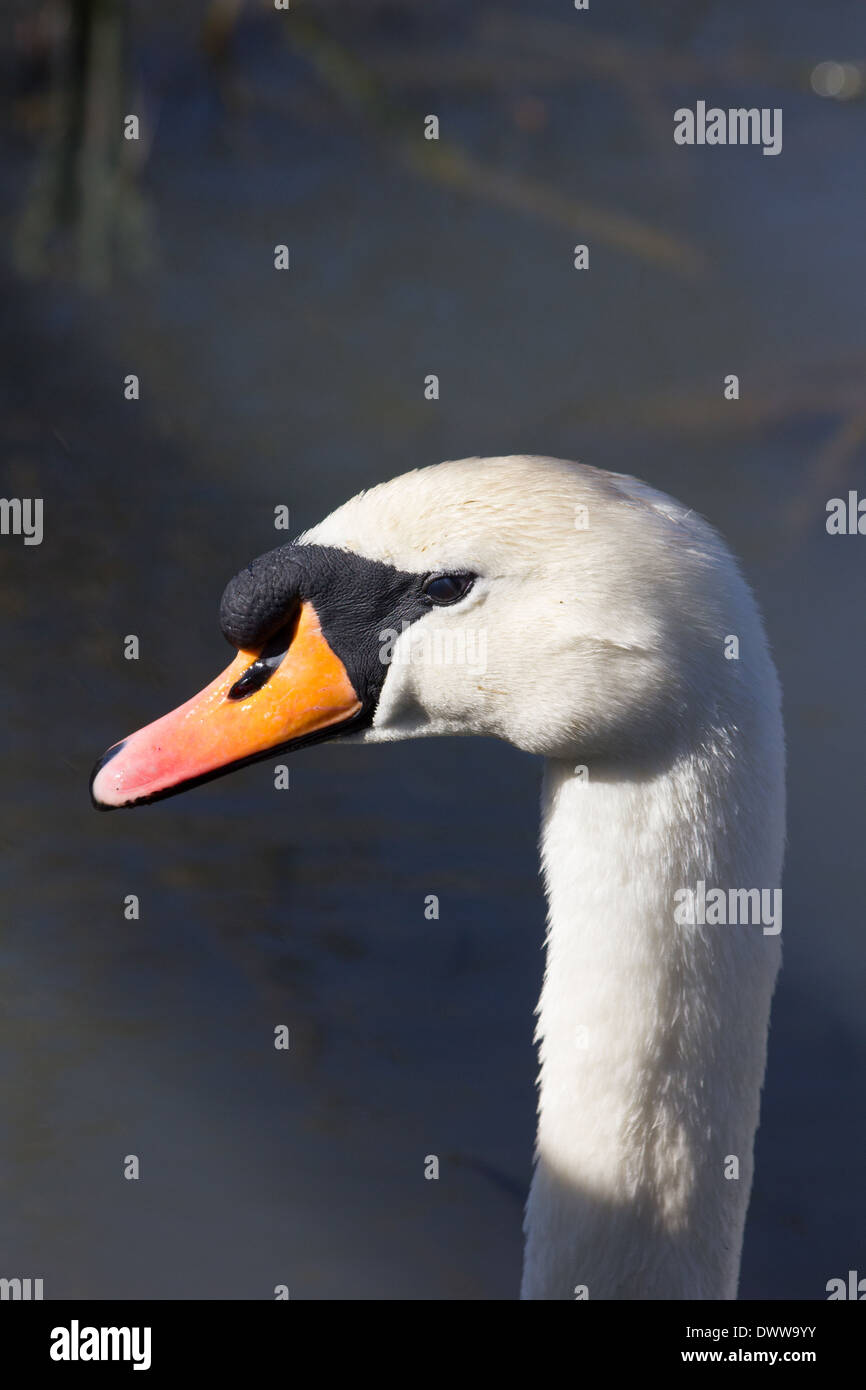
<point x="257" y="388"/>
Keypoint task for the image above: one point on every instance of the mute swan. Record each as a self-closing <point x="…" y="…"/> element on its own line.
<point x="608" y="612"/>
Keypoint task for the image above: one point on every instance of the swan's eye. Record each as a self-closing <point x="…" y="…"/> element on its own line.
<point x="447" y="588"/>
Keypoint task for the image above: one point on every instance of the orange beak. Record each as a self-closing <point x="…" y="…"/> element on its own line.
<point x="229" y="724"/>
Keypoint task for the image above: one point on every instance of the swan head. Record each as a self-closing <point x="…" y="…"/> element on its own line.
<point x="571" y="612"/>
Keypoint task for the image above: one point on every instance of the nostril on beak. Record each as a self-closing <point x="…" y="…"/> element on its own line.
<point x="266" y="663"/>
<point x="253" y="678"/>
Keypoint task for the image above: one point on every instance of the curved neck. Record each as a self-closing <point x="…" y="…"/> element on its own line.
<point x="652" y="1034"/>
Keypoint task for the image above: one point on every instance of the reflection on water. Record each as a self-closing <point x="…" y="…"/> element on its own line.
<point x="305" y="907"/>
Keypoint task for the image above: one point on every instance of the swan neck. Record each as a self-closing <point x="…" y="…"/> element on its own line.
<point x="652" y="1035"/>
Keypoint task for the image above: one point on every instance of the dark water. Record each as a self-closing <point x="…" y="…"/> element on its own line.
<point x="306" y="907"/>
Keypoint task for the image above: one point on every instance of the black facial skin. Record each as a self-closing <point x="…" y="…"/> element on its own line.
<point x="355" y="600"/>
